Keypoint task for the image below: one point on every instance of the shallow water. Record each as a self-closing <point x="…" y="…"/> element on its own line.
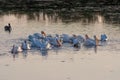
<point x="59" y="64"/>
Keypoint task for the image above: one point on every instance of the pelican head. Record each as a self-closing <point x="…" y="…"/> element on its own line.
<point x="86" y="36"/>
<point x="43" y="33"/>
<point x="74" y="36"/>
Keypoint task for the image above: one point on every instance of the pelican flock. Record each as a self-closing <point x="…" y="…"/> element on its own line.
<point x="43" y="41"/>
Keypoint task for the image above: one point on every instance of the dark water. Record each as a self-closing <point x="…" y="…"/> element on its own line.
<point x="65" y="63"/>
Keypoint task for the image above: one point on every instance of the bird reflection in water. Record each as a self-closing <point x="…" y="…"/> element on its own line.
<point x="95" y="49"/>
<point x="44" y="52"/>
<point x="25" y="54"/>
<point x="57" y="49"/>
<point x="15" y="56"/>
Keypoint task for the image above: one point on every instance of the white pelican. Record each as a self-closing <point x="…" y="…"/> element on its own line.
<point x="103" y="37"/>
<point x="91" y="42"/>
<point x="25" y="45"/>
<point x="16" y="49"/>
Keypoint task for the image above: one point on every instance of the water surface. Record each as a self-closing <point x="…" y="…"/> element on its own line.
<point x="65" y="63"/>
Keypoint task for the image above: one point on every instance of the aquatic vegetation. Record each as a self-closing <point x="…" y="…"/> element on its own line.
<point x="55" y="4"/>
